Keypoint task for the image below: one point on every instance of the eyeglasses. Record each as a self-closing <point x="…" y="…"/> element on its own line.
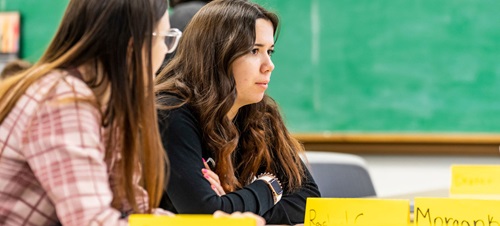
<point x="172" y="37"/>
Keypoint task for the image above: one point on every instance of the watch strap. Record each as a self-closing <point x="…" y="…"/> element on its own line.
<point x="274" y="185"/>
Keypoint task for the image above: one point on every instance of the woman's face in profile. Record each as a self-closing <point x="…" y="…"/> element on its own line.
<point x="252" y="71"/>
<point x="158" y="46"/>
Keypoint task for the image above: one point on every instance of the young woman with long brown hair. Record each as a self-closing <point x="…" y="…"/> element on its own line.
<point x="213" y="109"/>
<point x="79" y="143"/>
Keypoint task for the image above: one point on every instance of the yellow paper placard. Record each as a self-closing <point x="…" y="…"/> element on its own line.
<point x="455" y="211"/>
<point x="356" y="212"/>
<point x="475" y="180"/>
<point x="188" y="220"/>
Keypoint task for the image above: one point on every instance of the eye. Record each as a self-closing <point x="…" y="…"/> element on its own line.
<point x="270" y="52"/>
<point x="255" y="51"/>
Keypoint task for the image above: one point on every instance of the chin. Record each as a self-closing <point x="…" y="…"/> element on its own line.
<point x="253" y="100"/>
<point x="258" y="100"/>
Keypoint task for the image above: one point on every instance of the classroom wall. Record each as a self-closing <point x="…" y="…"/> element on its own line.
<point x="363" y="66"/>
<point x="395" y="175"/>
<point x="388" y="66"/>
<point x="39" y="21"/>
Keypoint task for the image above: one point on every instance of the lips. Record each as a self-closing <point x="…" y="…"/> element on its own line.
<point x="262" y="84"/>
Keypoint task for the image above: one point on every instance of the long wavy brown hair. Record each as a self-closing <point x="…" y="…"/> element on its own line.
<point x="200" y="74"/>
<point x="110" y="35"/>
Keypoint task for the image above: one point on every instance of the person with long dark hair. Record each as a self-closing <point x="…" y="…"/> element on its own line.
<point x="79" y="141"/>
<point x="227" y="142"/>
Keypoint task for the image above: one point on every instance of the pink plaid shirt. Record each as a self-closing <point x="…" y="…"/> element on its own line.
<point x="52" y="167"/>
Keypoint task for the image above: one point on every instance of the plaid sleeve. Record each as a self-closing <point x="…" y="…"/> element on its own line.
<point x="64" y="149"/>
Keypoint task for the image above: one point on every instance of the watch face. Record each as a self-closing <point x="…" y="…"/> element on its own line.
<point x="276" y="187"/>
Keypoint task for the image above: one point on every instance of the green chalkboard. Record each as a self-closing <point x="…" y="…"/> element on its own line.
<point x="388" y="65"/>
<point x="363" y="65"/>
<point x="39" y="21"/>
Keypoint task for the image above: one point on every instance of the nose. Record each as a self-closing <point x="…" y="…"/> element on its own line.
<point x="267" y="64"/>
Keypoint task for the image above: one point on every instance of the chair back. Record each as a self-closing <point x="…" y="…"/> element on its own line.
<point x="340" y="175"/>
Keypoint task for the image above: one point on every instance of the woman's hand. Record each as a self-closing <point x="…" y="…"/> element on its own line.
<point x="162" y="212"/>
<point x="260" y="221"/>
<point x="213" y="178"/>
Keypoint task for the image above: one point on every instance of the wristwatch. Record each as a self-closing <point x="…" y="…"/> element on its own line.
<point x="274" y="184"/>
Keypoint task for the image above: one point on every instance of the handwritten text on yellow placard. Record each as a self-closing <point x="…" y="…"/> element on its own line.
<point x="188" y="220"/>
<point x="456" y="212"/>
<point x="475" y="179"/>
<point x="356" y="212"/>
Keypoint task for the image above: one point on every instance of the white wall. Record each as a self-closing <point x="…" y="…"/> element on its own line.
<point x="394" y="175"/>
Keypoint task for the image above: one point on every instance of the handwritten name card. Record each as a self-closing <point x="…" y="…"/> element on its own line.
<point x="456" y="212"/>
<point x="188" y="220"/>
<point x="481" y="181"/>
<point x="356" y="212"/>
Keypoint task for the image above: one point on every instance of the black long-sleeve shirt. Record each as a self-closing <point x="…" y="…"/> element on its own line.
<point x="189" y="192"/>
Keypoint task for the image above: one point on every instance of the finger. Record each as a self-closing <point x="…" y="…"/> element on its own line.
<point x="212" y="174"/>
<point x="237" y="214"/>
<point x="220" y="190"/>
<point x="162" y="212"/>
<point x="215" y="190"/>
<point x="260" y="220"/>
<point x="206" y="164"/>
<point x="215" y="185"/>
<point x="220" y="213"/>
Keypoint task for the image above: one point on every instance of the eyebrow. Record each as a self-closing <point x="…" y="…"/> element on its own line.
<point x="262" y="45"/>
